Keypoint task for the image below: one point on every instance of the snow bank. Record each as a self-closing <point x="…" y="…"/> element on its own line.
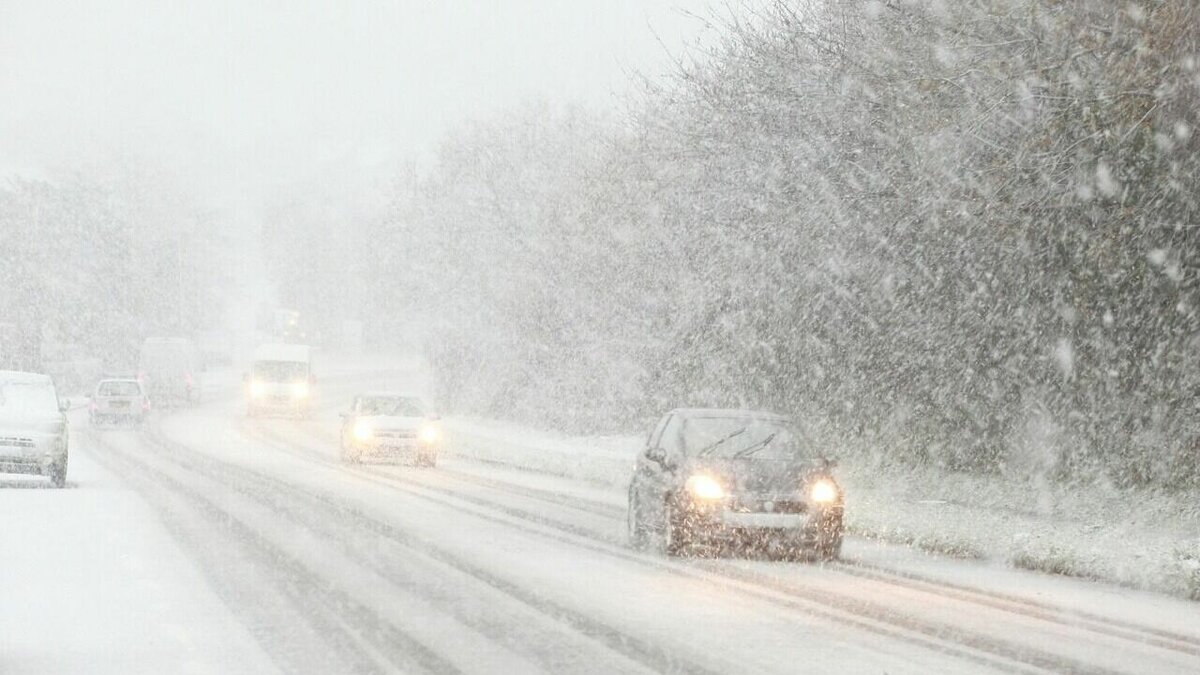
<point x="602" y="460"/>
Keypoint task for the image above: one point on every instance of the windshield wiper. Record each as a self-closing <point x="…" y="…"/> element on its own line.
<point x="711" y="446"/>
<point x="754" y="447"/>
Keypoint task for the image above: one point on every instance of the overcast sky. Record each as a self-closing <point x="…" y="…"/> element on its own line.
<point x="254" y="91"/>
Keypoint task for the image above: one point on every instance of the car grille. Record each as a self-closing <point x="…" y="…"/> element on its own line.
<point x="770" y="506"/>
<point x="16" y="441"/>
<point x="396" y="434"/>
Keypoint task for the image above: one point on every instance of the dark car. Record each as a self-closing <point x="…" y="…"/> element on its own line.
<point x="734" y="479"/>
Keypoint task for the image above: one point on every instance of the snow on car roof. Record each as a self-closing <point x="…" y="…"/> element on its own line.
<point x="281" y="352"/>
<point x="23" y="377"/>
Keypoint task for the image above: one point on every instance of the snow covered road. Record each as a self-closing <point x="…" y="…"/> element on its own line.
<point x="280" y="553"/>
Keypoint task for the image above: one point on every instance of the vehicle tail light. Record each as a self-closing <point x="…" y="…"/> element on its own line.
<point x="145" y="405"/>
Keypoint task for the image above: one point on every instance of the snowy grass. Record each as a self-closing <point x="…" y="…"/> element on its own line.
<point x="1141" y="539"/>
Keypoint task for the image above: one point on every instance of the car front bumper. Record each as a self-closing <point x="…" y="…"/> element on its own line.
<point x="395" y="447"/>
<point x="720" y="524"/>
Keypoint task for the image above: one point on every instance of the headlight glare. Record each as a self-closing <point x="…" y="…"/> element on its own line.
<point x="823" y="491"/>
<point x="705" y="487"/>
<point x="430" y="434"/>
<point x="363" y="430"/>
<point x="300" y="389"/>
<point x="257" y="388"/>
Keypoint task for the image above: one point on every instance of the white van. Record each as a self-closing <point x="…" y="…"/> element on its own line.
<point x="280" y="380"/>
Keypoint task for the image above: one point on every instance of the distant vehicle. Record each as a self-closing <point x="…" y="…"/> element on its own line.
<point x="733" y="478"/>
<point x="280" y="380"/>
<point x="33" y="427"/>
<point x="118" y="400"/>
<point x="216" y="348"/>
<point x="169" y="368"/>
<point x="388" y="424"/>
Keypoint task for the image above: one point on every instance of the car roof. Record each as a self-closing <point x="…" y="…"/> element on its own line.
<point x="279" y="351"/>
<point x="20" y="377"/>
<point x="729" y="413"/>
<point x="118" y="379"/>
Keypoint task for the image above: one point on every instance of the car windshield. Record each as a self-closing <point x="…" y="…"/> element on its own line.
<point x="397" y="406"/>
<point x="27" y="398"/>
<point x="119" y="388"/>
<point x="734" y="437"/>
<point x="280" y="371"/>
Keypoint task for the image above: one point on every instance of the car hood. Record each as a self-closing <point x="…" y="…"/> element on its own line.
<point x="393" y="422"/>
<point x="751" y="475"/>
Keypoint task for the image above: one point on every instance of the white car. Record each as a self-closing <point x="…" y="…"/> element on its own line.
<point x="119" y="400"/>
<point x="388" y="424"/>
<point x="33" y="427"/>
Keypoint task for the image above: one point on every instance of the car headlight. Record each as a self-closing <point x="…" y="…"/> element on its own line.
<point x="823" y="491"/>
<point x="703" y="486"/>
<point x="363" y="430"/>
<point x="430" y="434"/>
<point x="299" y="389"/>
<point x="257" y="388"/>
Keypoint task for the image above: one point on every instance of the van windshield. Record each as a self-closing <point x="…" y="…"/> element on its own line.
<point x="280" y="371"/>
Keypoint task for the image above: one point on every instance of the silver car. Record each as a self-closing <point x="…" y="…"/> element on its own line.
<point x="385" y="425"/>
<point x="118" y="401"/>
<point x="33" y="427"/>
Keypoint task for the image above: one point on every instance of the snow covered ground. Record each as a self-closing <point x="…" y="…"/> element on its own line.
<point x="209" y="542"/>
<point x="92" y="579"/>
<point x="1149" y="541"/>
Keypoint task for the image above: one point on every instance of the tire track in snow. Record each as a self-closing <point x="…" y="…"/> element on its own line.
<point x="1012" y="604"/>
<point x="361" y="640"/>
<point x="635" y="648"/>
<point x="942" y="638"/>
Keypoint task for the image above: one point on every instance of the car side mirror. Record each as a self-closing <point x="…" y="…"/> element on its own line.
<point x="829" y="463"/>
<point x="63" y="406"/>
<point x="657" y="455"/>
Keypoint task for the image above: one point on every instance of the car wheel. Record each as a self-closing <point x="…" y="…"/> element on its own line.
<point x="58" y="475"/>
<point x="829" y="549"/>
<point x="633" y="523"/>
<point x="674" y="539"/>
